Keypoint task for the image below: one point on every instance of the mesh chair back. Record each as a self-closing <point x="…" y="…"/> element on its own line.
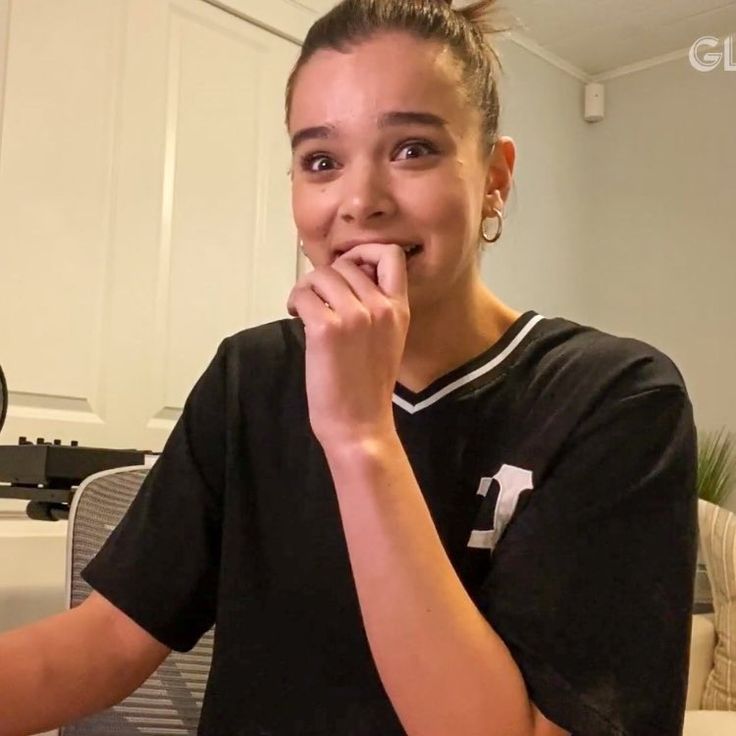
<point x="170" y="701"/>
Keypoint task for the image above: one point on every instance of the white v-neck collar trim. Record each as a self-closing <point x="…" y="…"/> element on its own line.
<point x="464" y="380"/>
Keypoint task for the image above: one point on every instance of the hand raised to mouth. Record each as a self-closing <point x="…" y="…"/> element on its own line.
<point x="356" y="316"/>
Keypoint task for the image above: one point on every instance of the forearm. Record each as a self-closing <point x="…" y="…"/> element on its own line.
<point x="444" y="668"/>
<point x="55" y="671"/>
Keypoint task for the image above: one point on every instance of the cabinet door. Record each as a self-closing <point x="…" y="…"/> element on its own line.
<point x="144" y="208"/>
<point x="206" y="242"/>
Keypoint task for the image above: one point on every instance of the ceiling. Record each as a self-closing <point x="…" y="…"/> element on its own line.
<point x="600" y="39"/>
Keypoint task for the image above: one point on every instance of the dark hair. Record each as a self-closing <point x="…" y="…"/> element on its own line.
<point x="353" y="21"/>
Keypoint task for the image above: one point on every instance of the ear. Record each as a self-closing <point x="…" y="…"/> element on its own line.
<point x="500" y="170"/>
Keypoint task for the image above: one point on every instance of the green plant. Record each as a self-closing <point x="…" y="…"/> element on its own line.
<point x="716" y="465"/>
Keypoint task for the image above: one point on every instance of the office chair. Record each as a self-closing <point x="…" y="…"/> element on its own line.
<point x="170" y="701"/>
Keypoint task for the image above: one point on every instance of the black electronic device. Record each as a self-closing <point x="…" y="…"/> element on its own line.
<point x="46" y="473"/>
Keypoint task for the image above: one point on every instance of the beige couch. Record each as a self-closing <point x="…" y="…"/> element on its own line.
<point x="704" y="722"/>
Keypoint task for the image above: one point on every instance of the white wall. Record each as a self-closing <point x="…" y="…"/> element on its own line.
<point x="660" y="259"/>
<point x="537" y="264"/>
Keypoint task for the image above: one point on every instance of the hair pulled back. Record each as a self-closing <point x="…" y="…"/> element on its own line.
<point x="462" y="30"/>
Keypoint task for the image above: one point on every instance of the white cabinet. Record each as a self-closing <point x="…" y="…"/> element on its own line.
<point x="33" y="555"/>
<point x="144" y="208"/>
<point x="144" y="215"/>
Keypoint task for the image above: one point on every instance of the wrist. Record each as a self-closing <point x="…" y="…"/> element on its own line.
<point x="364" y="446"/>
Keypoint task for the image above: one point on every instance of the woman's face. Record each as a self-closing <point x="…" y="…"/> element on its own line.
<point x="387" y="149"/>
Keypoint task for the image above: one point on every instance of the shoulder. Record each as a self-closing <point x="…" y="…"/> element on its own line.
<point x="263" y="365"/>
<point x="569" y="356"/>
<point x="263" y="347"/>
<point x="594" y="398"/>
<point x="570" y="374"/>
<point x="272" y="337"/>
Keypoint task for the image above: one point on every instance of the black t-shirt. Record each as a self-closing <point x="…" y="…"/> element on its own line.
<point x="559" y="469"/>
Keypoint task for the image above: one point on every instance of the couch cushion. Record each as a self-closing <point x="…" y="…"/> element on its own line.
<point x="702" y="642"/>
<point x="709" y="723"/>
<point x="718" y="546"/>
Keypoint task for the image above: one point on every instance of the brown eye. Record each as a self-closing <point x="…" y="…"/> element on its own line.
<point x="317" y="163"/>
<point x="415" y="149"/>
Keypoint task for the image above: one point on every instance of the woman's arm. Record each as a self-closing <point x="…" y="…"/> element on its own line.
<point x="444" y="668"/>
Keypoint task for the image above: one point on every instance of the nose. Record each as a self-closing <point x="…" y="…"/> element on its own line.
<point x="366" y="195"/>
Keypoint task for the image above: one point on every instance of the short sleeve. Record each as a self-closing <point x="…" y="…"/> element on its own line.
<point x="591" y="587"/>
<point x="160" y="564"/>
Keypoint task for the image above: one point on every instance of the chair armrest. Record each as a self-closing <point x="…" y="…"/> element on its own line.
<point x="702" y="643"/>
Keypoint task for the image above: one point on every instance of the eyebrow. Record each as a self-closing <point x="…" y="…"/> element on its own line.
<point x="399" y="117"/>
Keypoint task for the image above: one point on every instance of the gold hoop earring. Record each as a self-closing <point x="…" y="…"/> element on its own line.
<point x="497" y="216"/>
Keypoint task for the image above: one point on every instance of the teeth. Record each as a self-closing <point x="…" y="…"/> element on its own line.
<point x="408" y="249"/>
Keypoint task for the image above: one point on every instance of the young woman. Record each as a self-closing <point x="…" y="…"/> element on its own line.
<point x="411" y="508"/>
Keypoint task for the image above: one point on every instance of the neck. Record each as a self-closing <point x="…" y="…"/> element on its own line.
<point x="448" y="333"/>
